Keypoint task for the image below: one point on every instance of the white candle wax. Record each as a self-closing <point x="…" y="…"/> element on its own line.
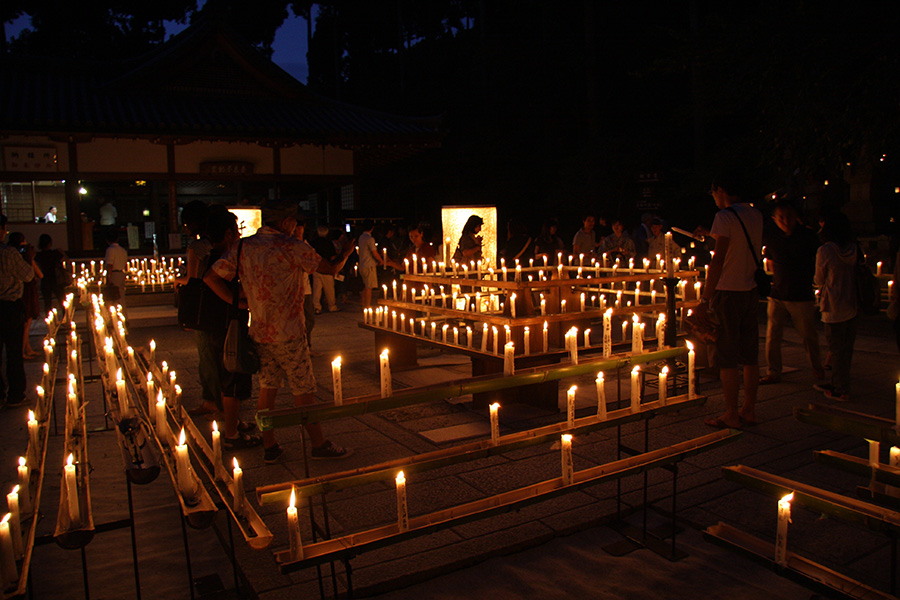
<point x="495" y="340"/>
<point x="527" y="334"/>
<point x="218" y="467"/>
<point x="184" y="478"/>
<point x="385" y="374"/>
<point x="587" y="338"/>
<point x="784" y="517"/>
<point x="336" y="381"/>
<point x="495" y="423"/>
<point x="570" y="406"/>
<point x="468" y="337"/>
<point x="546" y="344"/>
<point x="8" y="569"/>
<point x="33" y="438"/>
<point x="402" y="513"/>
<point x="636" y="389"/>
<point x="568" y="466"/>
<point x="663" y="382"/>
<point x="874" y="451"/>
<point x="509" y="365"/>
<point x="601" y="396"/>
<point x="152" y="351"/>
<point x="15" y="521"/>
<point x="484" y="337"/>
<point x="512" y="305"/>
<point x="296" y="543"/>
<point x="691" y="390"/>
<point x="237" y="474"/>
<point x="71" y="485"/>
<point x="162" y="422"/>
<point x="24" y="478"/>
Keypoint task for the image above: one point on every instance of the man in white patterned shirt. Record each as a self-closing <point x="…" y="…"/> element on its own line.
<point x="274" y="267"/>
<point x="15" y="270"/>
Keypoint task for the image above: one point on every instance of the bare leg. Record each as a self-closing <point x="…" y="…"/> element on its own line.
<point x="267" y="402"/>
<point x="366" y="296"/>
<point x="730" y="386"/>
<point x="751" y="384"/>
<point x="314" y="429"/>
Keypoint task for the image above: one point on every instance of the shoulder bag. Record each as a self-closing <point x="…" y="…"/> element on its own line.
<point x="239" y="355"/>
<point x="763" y="281"/>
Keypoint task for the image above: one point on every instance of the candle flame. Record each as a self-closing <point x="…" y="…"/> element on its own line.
<point x="665" y="370"/>
<point x="70" y="459"/>
<point x="600" y="376"/>
<point x="384" y="353"/>
<point x="690" y="346"/>
<point x="159" y="396"/>
<point x="31" y="415"/>
<point x="153" y="344"/>
<point x="16" y="489"/>
<point x="572" y="389"/>
<point x="22" y="461"/>
<point x="401" y="478"/>
<point x="293" y="502"/>
<point x="40" y="390"/>
<point x="149" y="377"/>
<point x="336" y="362"/>
<point x="635" y="370"/>
<point x="181" y="437"/>
<point x="787" y="499"/>
<point x="215" y="426"/>
<point x="234" y="461"/>
<point x="6" y="518"/>
<point x="567" y="437"/>
<point x="495" y="406"/>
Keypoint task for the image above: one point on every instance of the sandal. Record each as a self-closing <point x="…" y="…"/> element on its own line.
<point x="241" y="442"/>
<point x="246" y="427"/>
<point x="718" y="423"/>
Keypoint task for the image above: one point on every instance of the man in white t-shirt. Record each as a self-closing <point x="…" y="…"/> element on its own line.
<point x="115" y="262"/>
<point x="730" y="292"/>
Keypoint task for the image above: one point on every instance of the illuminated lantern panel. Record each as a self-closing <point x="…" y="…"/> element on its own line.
<point x="249" y="219"/>
<point x="453" y="219"/>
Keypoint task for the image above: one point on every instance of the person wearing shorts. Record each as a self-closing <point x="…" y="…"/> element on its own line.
<point x="730" y="293"/>
<point x="273" y="269"/>
<point x="368" y="262"/>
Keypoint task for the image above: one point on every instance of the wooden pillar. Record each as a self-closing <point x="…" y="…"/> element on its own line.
<point x="73" y="202"/>
<point x="173" y="196"/>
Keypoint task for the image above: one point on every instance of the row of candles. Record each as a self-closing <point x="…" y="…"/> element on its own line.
<point x="19" y="501"/>
<point x="453" y="335"/>
<point x="491" y="302"/>
<point x="152" y="272"/>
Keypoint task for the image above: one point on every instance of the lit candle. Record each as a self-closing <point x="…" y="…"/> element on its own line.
<point x="484" y="336"/>
<point x="601" y="396"/>
<point x="624" y="327"/>
<point x="543" y="307"/>
<point x="527" y="334"/>
<point x="444" y="328"/>
<point x="509" y="366"/>
<point x="784" y="517"/>
<point x="587" y="338"/>
<point x="568" y="467"/>
<point x="296" y="543"/>
<point x="177" y="396"/>
<point x="394" y="288"/>
<point x="495" y="423"/>
<point x="402" y="513"/>
<point x="186" y="484"/>
<point x="546" y="340"/>
<point x="237" y="474"/>
<point x="635" y="333"/>
<point x="385" y="374"/>
<point x="495" y="340"/>
<point x="71" y="484"/>
<point x="456" y="336"/>
<point x="33" y="438"/>
<point x="670" y="264"/>
<point x="8" y="569"/>
<point x="152" y="351"/>
<point x="570" y="407"/>
<point x="394" y="320"/>
<point x="151" y="389"/>
<point x="24" y="485"/>
<point x="572" y="344"/>
<point x="15" y="521"/>
<point x="636" y="389"/>
<point x="336" y="381"/>
<point x="162" y="423"/>
<point x="897" y="392"/>
<point x="878" y="268"/>
<point x="874" y="451"/>
<point x="692" y="392"/>
<point x="562" y="306"/>
<point x="512" y="305"/>
<point x="663" y="381"/>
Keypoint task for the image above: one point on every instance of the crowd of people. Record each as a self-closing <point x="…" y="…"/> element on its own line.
<point x="285" y="278"/>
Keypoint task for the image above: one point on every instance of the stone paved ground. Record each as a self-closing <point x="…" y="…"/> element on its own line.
<point x="550" y="549"/>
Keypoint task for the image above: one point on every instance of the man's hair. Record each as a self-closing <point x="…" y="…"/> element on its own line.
<point x="837" y="229"/>
<point x="112" y="236"/>
<point x="51" y="208"/>
<point x="218" y="224"/>
<point x="731" y="182"/>
<point x="322" y="230"/>
<point x="787" y="206"/>
<point x="368" y="224"/>
<point x="45" y="241"/>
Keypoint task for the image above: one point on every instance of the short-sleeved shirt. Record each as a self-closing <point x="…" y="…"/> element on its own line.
<point x="116" y="258"/>
<point x="366" y="245"/>
<point x="794" y="263"/>
<point x="740" y="261"/>
<point x="273" y="273"/>
<point x="14" y="272"/>
<point x="584" y="242"/>
<point x="108" y="214"/>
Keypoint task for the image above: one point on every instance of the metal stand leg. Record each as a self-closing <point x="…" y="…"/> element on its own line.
<point x="134" y="556"/>
<point x="187" y="553"/>
<point x="234" y="570"/>
<point x="84" y="574"/>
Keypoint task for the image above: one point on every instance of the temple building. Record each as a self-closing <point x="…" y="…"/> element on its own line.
<point x="204" y="116"/>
